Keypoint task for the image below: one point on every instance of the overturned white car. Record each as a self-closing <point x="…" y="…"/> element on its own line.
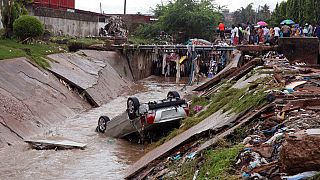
<point x="146" y="118"/>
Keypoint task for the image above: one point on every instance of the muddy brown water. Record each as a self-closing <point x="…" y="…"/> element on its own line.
<point x="104" y="157"/>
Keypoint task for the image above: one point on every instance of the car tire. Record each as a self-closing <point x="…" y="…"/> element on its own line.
<point x="133" y="105"/>
<point x="173" y="95"/>
<point x="102" y="124"/>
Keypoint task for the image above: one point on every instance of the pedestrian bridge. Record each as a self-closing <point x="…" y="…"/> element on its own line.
<point x="175" y="47"/>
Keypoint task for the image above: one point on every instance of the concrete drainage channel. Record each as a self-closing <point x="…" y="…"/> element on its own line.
<point x="56" y="107"/>
<point x="114" y="155"/>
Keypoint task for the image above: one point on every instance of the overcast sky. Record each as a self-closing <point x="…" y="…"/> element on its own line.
<point x="144" y="6"/>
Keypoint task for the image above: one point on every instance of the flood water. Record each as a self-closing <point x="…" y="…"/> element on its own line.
<point x="104" y="157"/>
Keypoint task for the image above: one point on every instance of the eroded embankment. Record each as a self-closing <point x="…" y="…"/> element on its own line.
<point x="32" y="99"/>
<point x="100" y="76"/>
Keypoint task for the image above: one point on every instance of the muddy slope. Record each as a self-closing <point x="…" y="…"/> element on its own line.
<point x="31" y="100"/>
<point x="102" y="76"/>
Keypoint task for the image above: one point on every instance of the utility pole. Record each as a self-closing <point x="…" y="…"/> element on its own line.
<point x="100" y="8"/>
<point x="125" y="7"/>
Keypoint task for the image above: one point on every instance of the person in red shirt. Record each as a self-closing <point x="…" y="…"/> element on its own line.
<point x="221" y="30"/>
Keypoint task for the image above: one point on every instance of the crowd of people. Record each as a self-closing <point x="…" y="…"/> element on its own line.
<point x="251" y="34"/>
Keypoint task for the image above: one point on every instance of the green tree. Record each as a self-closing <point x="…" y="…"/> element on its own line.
<point x="300" y="11"/>
<point x="245" y="15"/>
<point x="309" y="14"/>
<point x="193" y="18"/>
<point x="283" y="10"/>
<point x="265" y="13"/>
<point x="10" y="11"/>
<point x="276" y="16"/>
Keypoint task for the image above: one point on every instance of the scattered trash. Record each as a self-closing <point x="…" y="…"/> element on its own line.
<point x="195" y="175"/>
<point x="191" y="155"/>
<point x="285" y="138"/>
<point x="197" y="108"/>
<point x="176" y="158"/>
<point x="303" y="175"/>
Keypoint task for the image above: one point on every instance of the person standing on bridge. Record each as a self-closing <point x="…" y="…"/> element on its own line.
<point x="317" y="32"/>
<point x="235" y="35"/>
<point x="222" y="30"/>
<point x="276" y="34"/>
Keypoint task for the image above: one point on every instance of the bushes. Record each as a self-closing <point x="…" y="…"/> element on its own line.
<point x="27" y="27"/>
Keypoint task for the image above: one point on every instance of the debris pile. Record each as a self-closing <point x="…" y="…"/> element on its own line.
<point x="115" y="31"/>
<point x="116" y="27"/>
<point x="280" y="139"/>
<point x="284" y="144"/>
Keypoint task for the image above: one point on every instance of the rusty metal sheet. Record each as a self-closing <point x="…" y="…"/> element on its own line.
<point x="215" y="121"/>
<point x="256" y="48"/>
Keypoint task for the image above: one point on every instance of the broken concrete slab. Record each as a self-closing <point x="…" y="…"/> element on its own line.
<point x="245" y="81"/>
<point x="214" y="122"/>
<point x="114" y="59"/>
<point x="241" y="122"/>
<point x="313" y="131"/>
<point x="295" y="84"/>
<point x="40" y="144"/>
<point x="93" y="74"/>
<point x="245" y="69"/>
<point x="31" y="100"/>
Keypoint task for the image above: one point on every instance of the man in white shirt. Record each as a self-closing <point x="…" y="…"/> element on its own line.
<point x="276" y="33"/>
<point x="248" y="33"/>
<point x="232" y="35"/>
<point x="236" y="37"/>
<point x="266" y="33"/>
<point x="310" y="30"/>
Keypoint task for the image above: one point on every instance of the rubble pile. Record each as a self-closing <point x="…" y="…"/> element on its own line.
<point x="281" y="138"/>
<point x="285" y="143"/>
<point x="115" y="31"/>
<point x="116" y="27"/>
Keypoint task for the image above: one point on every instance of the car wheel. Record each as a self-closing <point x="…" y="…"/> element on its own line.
<point x="173" y="94"/>
<point x="133" y="105"/>
<point x="103" y="123"/>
